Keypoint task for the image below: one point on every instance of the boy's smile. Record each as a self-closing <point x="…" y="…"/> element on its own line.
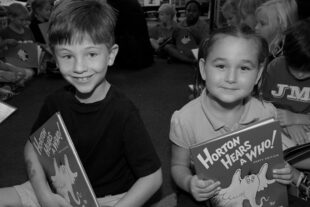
<point x="84" y="65"/>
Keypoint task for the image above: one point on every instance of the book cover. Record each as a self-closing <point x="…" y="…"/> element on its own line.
<point x="24" y="54"/>
<point x="243" y="161"/>
<point x="297" y="153"/>
<point x="61" y="163"/>
<point x="5" y="111"/>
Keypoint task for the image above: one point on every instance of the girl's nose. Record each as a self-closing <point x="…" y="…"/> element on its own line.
<point x="231" y="76"/>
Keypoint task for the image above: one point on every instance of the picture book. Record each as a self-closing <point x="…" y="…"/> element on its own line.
<point x="24" y="54"/>
<point x="243" y="161"/>
<point x="297" y="153"/>
<point x="5" y="111"/>
<point x="61" y="163"/>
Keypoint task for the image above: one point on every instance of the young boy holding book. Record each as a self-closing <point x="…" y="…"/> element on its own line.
<point x="106" y="128"/>
<point x="232" y="62"/>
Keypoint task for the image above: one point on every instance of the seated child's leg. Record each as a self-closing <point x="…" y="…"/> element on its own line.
<point x="184" y="199"/>
<point x="18" y="196"/>
<point x="9" y="197"/>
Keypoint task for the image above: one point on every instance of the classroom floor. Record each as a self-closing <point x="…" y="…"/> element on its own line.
<point x="157" y="91"/>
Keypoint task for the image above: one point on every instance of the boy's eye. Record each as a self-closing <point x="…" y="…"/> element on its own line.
<point x="93" y="54"/>
<point x="66" y="56"/>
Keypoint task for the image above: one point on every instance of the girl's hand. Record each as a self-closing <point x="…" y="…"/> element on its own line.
<point x="203" y="189"/>
<point x="287" y="118"/>
<point x="298" y="133"/>
<point x="286" y="175"/>
<point x="55" y="200"/>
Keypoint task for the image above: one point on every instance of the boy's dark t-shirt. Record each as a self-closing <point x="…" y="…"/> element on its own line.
<point x="109" y="136"/>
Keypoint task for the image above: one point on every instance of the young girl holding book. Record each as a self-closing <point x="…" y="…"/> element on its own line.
<point x="232" y="63"/>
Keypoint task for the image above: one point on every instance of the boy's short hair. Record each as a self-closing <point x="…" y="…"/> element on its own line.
<point x="73" y="20"/>
<point x="16" y="10"/>
<point x="167" y="9"/>
<point x="296" y="48"/>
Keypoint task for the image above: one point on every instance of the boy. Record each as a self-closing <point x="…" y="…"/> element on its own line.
<point x="105" y="126"/>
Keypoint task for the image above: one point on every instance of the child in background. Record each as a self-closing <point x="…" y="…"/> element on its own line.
<point x="234" y="58"/>
<point x="106" y="128"/>
<point x="41" y="10"/>
<point x="18" y="24"/>
<point x="287" y="82"/>
<point x="230" y="11"/>
<point x="247" y="10"/>
<point x="273" y="18"/>
<point x="191" y="31"/>
<point x="161" y="33"/>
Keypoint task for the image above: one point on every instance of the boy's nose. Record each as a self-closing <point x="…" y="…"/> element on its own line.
<point x="79" y="66"/>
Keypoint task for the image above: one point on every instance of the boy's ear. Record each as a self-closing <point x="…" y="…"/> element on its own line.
<point x="260" y="72"/>
<point x="202" y="64"/>
<point x="112" y="55"/>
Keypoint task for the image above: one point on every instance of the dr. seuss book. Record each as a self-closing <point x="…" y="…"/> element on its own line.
<point x="6" y="110"/>
<point x="24" y="54"/>
<point x="243" y="161"/>
<point x="61" y="163"/>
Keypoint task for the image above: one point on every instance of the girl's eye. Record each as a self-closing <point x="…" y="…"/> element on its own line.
<point x="220" y="66"/>
<point x="245" y="68"/>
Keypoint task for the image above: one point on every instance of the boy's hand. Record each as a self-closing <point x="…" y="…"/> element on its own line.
<point x="298" y="133"/>
<point x="55" y="200"/>
<point x="286" y="175"/>
<point x="203" y="189"/>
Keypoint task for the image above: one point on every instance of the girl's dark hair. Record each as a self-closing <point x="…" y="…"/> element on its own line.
<point x="73" y="20"/>
<point x="296" y="48"/>
<point x="242" y="31"/>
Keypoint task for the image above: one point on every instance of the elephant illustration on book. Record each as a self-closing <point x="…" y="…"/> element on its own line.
<point x="63" y="180"/>
<point x="244" y="189"/>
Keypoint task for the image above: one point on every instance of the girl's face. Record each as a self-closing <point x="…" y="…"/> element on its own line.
<point x="231" y="70"/>
<point x="267" y="25"/>
<point x="84" y="65"/>
<point x="164" y="17"/>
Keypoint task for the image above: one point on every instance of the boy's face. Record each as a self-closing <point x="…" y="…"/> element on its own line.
<point x="231" y="70"/>
<point x="20" y="21"/>
<point x="84" y="65"/>
<point x="45" y="11"/>
<point x="192" y="14"/>
<point x="266" y="25"/>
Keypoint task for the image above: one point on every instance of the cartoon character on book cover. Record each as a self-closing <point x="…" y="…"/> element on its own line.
<point x="243" y="163"/>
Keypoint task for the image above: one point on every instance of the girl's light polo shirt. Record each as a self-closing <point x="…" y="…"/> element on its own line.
<point x="195" y="123"/>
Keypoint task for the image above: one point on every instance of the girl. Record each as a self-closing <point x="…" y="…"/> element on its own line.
<point x="273" y="18"/>
<point x="232" y="63"/>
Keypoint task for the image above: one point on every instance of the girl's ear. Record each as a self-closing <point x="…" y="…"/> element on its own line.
<point x="260" y="72"/>
<point x="202" y="64"/>
<point x="112" y="55"/>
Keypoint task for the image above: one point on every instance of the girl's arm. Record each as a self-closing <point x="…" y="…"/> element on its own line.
<point x="39" y="182"/>
<point x="142" y="190"/>
<point x="201" y="190"/>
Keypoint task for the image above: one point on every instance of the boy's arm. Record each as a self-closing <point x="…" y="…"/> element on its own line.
<point x="287" y="118"/>
<point x="142" y="190"/>
<point x="38" y="180"/>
